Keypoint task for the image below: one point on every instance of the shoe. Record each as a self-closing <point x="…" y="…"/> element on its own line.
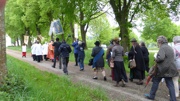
<point x="81" y="69"/>
<point x="139" y="83"/>
<point x="117" y="85"/>
<point x="75" y="65"/>
<point x="95" y="78"/>
<point x="53" y="66"/>
<point x="130" y="79"/>
<point x="148" y="97"/>
<point x="105" y="79"/>
<point x="59" y="67"/>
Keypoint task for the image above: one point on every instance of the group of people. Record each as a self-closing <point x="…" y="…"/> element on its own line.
<point x="167" y="65"/>
<point x="167" y="61"/>
<point x="59" y="51"/>
<point x="53" y="51"/>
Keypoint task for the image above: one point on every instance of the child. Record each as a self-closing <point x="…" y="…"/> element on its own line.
<point x="24" y="50"/>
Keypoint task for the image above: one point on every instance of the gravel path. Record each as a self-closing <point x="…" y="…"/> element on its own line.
<point x="131" y="92"/>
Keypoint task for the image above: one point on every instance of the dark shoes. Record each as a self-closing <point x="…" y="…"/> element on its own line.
<point x="75" y="65"/>
<point x="148" y="97"/>
<point x="95" y="78"/>
<point x="105" y="79"/>
<point x="139" y="83"/>
<point x="53" y="66"/>
<point x="130" y="79"/>
<point x="81" y="69"/>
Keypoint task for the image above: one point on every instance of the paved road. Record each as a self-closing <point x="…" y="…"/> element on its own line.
<point x="131" y="92"/>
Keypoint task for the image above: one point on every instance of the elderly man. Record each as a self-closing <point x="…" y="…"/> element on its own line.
<point x="165" y="69"/>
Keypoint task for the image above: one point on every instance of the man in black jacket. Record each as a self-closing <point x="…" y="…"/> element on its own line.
<point x="64" y="50"/>
<point x="56" y="53"/>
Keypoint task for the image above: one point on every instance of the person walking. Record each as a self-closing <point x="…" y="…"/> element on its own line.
<point x="75" y="45"/>
<point x="56" y="52"/>
<point x="50" y="54"/>
<point x="165" y="69"/>
<point x="98" y="61"/>
<point x="24" y="50"/>
<point x="38" y="49"/>
<point x="176" y="49"/>
<point x="139" y="71"/>
<point x="45" y="50"/>
<point x="33" y="51"/>
<point x="145" y="55"/>
<point x="81" y="54"/>
<point x="119" y="70"/>
<point x="64" y="50"/>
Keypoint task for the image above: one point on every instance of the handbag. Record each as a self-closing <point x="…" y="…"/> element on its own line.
<point x="111" y="63"/>
<point x="132" y="63"/>
<point x="90" y="62"/>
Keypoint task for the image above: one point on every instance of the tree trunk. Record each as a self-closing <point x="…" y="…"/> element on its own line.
<point x="3" y="69"/>
<point x="83" y="35"/>
<point x="17" y="40"/>
<point x="124" y="34"/>
<point x="72" y="30"/>
<point x="38" y="33"/>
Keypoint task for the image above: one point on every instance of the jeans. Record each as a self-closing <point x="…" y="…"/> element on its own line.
<point x="81" y="63"/>
<point x="76" y="58"/>
<point x="169" y="84"/>
<point x="65" y="61"/>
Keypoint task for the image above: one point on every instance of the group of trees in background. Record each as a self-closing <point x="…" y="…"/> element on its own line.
<point x="33" y="18"/>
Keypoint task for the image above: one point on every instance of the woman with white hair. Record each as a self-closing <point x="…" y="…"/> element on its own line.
<point x="81" y="54"/>
<point x="176" y="49"/>
<point x="165" y="69"/>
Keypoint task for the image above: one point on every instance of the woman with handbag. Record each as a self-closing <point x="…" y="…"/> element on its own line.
<point x="137" y="72"/>
<point x="119" y="70"/>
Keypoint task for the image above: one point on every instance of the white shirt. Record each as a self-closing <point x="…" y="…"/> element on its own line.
<point x="45" y="49"/>
<point x="38" y="49"/>
<point x="24" y="48"/>
<point x="33" y="51"/>
<point x="177" y="55"/>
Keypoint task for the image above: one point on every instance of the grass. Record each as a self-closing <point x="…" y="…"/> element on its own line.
<point x="26" y="83"/>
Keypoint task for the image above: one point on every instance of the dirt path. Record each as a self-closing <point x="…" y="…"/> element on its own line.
<point x="131" y="92"/>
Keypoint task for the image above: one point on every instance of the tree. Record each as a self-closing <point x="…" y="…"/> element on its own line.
<point x="101" y="30"/>
<point x="157" y="22"/>
<point x="125" y="12"/>
<point x="3" y="69"/>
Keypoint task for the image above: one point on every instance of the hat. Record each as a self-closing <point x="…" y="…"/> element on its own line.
<point x="116" y="40"/>
<point x="133" y="40"/>
<point x="97" y="43"/>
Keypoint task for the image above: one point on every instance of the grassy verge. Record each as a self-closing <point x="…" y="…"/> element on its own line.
<point x="26" y="83"/>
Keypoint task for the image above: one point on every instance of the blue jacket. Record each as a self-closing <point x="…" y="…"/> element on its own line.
<point x="64" y="49"/>
<point x="75" y="45"/>
<point x="81" y="53"/>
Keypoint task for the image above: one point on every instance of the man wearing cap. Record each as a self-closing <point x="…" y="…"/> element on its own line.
<point x="139" y="71"/>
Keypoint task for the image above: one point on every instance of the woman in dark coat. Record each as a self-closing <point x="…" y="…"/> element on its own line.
<point x="98" y="61"/>
<point x="145" y="55"/>
<point x="139" y="71"/>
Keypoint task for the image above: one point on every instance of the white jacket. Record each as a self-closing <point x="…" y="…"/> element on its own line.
<point x="45" y="49"/>
<point x="23" y="48"/>
<point x="33" y="51"/>
<point x="38" y="49"/>
<point x="177" y="55"/>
